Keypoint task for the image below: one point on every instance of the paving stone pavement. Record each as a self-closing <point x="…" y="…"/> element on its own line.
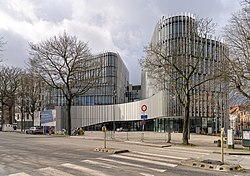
<point x="198" y="142"/>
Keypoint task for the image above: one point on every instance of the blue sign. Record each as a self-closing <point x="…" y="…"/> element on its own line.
<point x="46" y="116"/>
<point x="144" y="116"/>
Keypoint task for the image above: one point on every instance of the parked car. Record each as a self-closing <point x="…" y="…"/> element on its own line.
<point x="7" y="127"/>
<point x="14" y="126"/>
<point x="119" y="129"/>
<point x="34" y="130"/>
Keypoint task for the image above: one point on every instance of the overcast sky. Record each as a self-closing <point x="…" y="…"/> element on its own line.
<point x="123" y="26"/>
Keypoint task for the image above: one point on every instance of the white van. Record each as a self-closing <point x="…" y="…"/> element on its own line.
<point x="7" y="127"/>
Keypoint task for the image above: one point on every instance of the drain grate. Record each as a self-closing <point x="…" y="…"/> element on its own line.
<point x="214" y="162"/>
<point x="212" y="165"/>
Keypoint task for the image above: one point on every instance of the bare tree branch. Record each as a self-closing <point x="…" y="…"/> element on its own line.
<point x="65" y="64"/>
<point x="237" y="35"/>
<point x="2" y="43"/>
<point x="183" y="63"/>
<point x="9" y="83"/>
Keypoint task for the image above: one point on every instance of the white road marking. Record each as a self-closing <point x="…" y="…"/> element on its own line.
<point x="84" y="169"/>
<point x="182" y="151"/>
<point x="145" y="161"/>
<point x="192" y="149"/>
<point x="151" y="158"/>
<point x="49" y="171"/>
<point x="146" y="174"/>
<point x="98" y="163"/>
<point x="20" y="174"/>
<point x="131" y="164"/>
<point x="163" y="156"/>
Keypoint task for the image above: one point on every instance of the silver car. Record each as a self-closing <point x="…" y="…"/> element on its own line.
<point x="34" y="130"/>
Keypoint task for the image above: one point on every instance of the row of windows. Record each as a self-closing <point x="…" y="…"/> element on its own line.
<point x="108" y="59"/>
<point x="26" y="116"/>
<point x="176" y="26"/>
<point x="200" y="48"/>
<point x="93" y="100"/>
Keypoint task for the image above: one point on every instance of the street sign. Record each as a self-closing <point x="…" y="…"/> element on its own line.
<point x="246" y="138"/>
<point x="46" y="116"/>
<point x="144" y="116"/>
<point x="144" y="108"/>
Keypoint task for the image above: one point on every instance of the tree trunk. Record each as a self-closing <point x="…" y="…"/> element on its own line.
<point x="69" y="115"/>
<point x="2" y="108"/>
<point x="186" y="121"/>
<point x="33" y="119"/>
<point x="10" y="115"/>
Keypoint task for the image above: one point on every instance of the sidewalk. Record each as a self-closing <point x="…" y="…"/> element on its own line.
<point x="157" y="139"/>
<point x="160" y="140"/>
<point x="238" y="155"/>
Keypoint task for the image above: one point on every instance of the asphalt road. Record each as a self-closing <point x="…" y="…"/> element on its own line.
<point x="35" y="155"/>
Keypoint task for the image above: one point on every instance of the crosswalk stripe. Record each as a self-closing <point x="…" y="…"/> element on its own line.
<point x="151" y="158"/>
<point x="163" y="156"/>
<point x="131" y="164"/>
<point x="146" y="174"/>
<point x="84" y="169"/>
<point x="145" y="161"/>
<point x="49" y="171"/>
<point x="179" y="151"/>
<point x="190" y="152"/>
<point x="20" y="174"/>
<point x="98" y="163"/>
<point x="192" y="149"/>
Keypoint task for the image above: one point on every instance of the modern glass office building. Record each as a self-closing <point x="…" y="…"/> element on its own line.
<point x="113" y="79"/>
<point x="209" y="107"/>
<point x="104" y="104"/>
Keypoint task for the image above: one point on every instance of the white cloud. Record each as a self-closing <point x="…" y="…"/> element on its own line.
<point x="114" y="25"/>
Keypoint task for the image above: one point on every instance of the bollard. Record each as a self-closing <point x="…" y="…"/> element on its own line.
<point x="142" y="137"/>
<point x="169" y="137"/>
<point x="104" y="129"/>
<point x="222" y="145"/>
<point x="80" y="131"/>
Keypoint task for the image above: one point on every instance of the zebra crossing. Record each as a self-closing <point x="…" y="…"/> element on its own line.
<point x="138" y="163"/>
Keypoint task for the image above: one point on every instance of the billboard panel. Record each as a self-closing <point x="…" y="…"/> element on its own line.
<point x="46" y="116"/>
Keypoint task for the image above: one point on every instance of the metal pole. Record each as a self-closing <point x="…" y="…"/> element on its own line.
<point x="114" y="114"/>
<point x="142" y="134"/>
<point x="216" y="129"/>
<point x="113" y="122"/>
<point x="222" y="145"/>
<point x="104" y="129"/>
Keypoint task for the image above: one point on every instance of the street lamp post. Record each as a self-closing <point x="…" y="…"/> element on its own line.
<point x="114" y="102"/>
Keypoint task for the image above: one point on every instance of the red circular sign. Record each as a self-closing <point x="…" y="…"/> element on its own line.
<point x="144" y="108"/>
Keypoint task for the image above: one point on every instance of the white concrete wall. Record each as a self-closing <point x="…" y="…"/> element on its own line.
<point x="89" y="115"/>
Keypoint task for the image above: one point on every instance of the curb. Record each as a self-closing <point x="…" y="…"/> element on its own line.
<point x="111" y="150"/>
<point x="211" y="165"/>
<point x="149" y="144"/>
<point x="233" y="153"/>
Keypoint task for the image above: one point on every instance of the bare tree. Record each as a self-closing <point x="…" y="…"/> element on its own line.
<point x="178" y="65"/>
<point x="66" y="64"/>
<point x="29" y="94"/>
<point x="9" y="83"/>
<point x="2" y="43"/>
<point x="237" y="35"/>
